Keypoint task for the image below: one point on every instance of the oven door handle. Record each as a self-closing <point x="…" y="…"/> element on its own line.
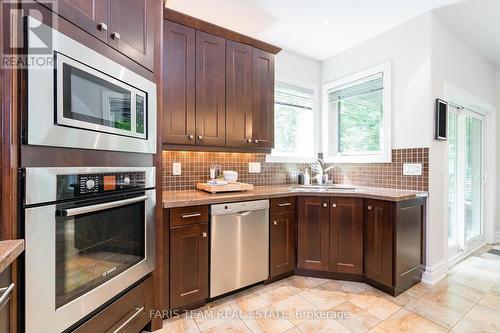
<point x="99" y="207"/>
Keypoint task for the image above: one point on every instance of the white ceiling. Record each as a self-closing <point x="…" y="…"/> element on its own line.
<point x="315" y="28"/>
<point x="478" y="22"/>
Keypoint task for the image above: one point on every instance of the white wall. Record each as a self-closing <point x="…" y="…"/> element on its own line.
<point x="497" y="93"/>
<point x="407" y="47"/>
<point x="455" y="66"/>
<point x="297" y="67"/>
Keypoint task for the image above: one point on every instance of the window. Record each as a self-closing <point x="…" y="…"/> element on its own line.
<point x="294" y="123"/>
<point x="356" y="117"/>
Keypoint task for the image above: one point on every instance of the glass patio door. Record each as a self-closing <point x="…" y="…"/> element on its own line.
<point x="465" y="180"/>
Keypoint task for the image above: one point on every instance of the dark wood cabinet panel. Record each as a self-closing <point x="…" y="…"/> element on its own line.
<point x="379" y="241"/>
<point x="313" y="233"/>
<point x="89" y="15"/>
<point x="137" y="303"/>
<point x="346" y="235"/>
<point x="239" y="96"/>
<point x="131" y="29"/>
<point x="188" y="215"/>
<point x="282" y="204"/>
<point x="188" y="265"/>
<point x="282" y="240"/>
<point x="179" y="84"/>
<point x="210" y="90"/>
<point x="263" y="98"/>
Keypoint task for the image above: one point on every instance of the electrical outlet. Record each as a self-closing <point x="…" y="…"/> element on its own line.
<point x="412" y="169"/>
<point x="176" y="169"/>
<point x="253" y="167"/>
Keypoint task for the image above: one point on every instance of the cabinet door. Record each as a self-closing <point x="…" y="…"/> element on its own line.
<point x="282" y="239"/>
<point x="313" y="233"/>
<point x="131" y="29"/>
<point x="346" y="235"/>
<point x="210" y="90"/>
<point x="379" y="241"/>
<point x="89" y="15"/>
<point x="179" y="83"/>
<point x="238" y="95"/>
<point x="263" y="99"/>
<point x="188" y="265"/>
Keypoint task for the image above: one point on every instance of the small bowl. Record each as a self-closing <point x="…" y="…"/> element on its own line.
<point x="230" y="176"/>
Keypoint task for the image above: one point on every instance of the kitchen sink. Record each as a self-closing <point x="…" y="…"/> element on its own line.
<point x="327" y="188"/>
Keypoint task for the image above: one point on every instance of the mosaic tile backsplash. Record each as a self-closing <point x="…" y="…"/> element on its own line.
<point x="195" y="169"/>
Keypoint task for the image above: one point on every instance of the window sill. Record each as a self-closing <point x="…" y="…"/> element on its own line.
<point x="359" y="159"/>
<point x="289" y="159"/>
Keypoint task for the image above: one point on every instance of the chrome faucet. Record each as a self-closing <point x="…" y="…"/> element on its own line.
<point x="319" y="169"/>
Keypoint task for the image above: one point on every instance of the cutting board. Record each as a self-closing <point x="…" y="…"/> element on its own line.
<point x="230" y="187"/>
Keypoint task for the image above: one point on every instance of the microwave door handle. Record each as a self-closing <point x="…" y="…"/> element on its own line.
<point x="95" y="208"/>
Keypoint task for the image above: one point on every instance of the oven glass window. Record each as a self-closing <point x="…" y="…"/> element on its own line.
<point x="90" y="99"/>
<point x="93" y="248"/>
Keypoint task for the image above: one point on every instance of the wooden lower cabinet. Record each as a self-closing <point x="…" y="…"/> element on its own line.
<point x="379" y="241"/>
<point x="346" y="235"/>
<point x="128" y="314"/>
<point x="282" y="236"/>
<point x="188" y="265"/>
<point x="313" y="233"/>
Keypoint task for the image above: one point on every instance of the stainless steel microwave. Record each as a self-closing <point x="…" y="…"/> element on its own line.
<point x="83" y="99"/>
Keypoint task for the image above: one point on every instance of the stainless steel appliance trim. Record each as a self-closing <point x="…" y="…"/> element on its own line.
<point x="136" y="314"/>
<point x="62" y="59"/>
<point x="239" y="246"/>
<point x="40" y="269"/>
<point x="96" y="208"/>
<point x="236" y="207"/>
<point x="43" y="130"/>
<point x="5" y="292"/>
<point x="41" y="183"/>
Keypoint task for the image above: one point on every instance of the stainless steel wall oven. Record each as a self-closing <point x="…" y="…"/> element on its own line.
<point x="89" y="235"/>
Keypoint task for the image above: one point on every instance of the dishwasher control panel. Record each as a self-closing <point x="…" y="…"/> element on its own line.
<point x="238" y="207"/>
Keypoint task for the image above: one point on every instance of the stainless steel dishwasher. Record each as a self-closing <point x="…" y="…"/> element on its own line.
<point x="239" y="245"/>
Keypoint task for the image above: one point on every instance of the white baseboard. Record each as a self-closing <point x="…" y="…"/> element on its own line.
<point x="435" y="273"/>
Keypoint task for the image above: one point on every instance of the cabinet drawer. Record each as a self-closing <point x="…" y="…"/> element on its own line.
<point x="283" y="204"/>
<point x="130" y="313"/>
<point x="188" y="215"/>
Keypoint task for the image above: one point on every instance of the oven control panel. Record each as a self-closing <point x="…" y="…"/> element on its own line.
<point x="72" y="186"/>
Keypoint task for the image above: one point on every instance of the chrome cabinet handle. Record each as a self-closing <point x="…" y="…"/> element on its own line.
<point x="275" y="222"/>
<point x="325" y="204"/>
<point x="284" y="204"/>
<point x="186" y="216"/>
<point x="115" y="35"/>
<point x="256" y="141"/>
<point x="103" y="26"/>
<point x="204" y="234"/>
<point x="334" y="205"/>
<point x="96" y="208"/>
<point x="200" y="137"/>
<point x="191" y="136"/>
<point x="249" y="140"/>
<point x="5" y="294"/>
<point x="138" y="311"/>
<point x="370" y="207"/>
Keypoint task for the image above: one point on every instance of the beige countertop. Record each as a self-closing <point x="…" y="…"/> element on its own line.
<point x="9" y="251"/>
<point x="173" y="199"/>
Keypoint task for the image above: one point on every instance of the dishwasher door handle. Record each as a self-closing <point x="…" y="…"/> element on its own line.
<point x="243" y="213"/>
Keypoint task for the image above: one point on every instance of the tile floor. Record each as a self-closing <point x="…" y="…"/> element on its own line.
<point x="468" y="300"/>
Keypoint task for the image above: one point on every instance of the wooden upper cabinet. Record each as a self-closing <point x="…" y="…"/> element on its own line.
<point x="379" y="241"/>
<point x="188" y="265"/>
<point x="90" y="15"/>
<point x="131" y="29"/>
<point x="263" y="99"/>
<point x="239" y="97"/>
<point x="210" y="90"/>
<point x="346" y="235"/>
<point x="179" y="84"/>
<point x="313" y="233"/>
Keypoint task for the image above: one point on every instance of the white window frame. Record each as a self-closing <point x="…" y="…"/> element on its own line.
<point x="386" y="154"/>
<point x="275" y="157"/>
